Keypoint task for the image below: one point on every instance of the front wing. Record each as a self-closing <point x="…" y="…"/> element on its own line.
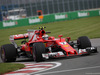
<point x="88" y="50"/>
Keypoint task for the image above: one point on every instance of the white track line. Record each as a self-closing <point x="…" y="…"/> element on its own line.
<point x="39" y="65"/>
<point x="30" y="69"/>
<point x="68" y="70"/>
<point x="57" y="65"/>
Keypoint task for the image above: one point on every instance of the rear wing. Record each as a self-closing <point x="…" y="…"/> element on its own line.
<point x="17" y="37"/>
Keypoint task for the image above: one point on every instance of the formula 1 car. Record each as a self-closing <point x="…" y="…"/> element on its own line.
<point x="40" y="46"/>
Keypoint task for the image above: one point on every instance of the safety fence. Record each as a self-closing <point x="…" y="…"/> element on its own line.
<point x="47" y="6"/>
<point x="49" y="18"/>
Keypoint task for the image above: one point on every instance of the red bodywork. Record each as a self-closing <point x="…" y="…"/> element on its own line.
<point x="39" y="36"/>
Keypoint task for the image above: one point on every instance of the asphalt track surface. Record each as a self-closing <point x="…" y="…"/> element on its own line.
<point x="77" y="65"/>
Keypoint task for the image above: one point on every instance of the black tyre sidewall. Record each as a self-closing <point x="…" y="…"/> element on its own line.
<point x="10" y="53"/>
<point x="83" y="42"/>
<point x="38" y="49"/>
<point x="4" y="57"/>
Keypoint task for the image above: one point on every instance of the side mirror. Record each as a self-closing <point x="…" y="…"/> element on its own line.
<point x="68" y="39"/>
<point x="60" y="37"/>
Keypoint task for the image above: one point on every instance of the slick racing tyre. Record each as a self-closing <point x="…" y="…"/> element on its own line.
<point x="8" y="53"/>
<point x="84" y="42"/>
<point x="38" y="49"/>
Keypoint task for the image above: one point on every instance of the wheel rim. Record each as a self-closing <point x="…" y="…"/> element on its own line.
<point x="34" y="54"/>
<point x="3" y="54"/>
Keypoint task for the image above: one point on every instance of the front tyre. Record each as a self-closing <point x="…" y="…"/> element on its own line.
<point x="8" y="53"/>
<point x="84" y="42"/>
<point x="38" y="49"/>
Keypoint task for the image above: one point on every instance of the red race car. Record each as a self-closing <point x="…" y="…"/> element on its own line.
<point x="40" y="46"/>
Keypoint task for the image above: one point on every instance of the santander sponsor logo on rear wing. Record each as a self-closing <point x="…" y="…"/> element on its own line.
<point x="19" y="36"/>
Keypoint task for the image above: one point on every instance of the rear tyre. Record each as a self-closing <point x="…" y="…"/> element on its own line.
<point x="84" y="42"/>
<point x="8" y="53"/>
<point x="38" y="49"/>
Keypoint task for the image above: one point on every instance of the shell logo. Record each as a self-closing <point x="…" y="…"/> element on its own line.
<point x="66" y="46"/>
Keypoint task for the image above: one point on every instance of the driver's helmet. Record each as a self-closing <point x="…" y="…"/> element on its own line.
<point x="45" y="37"/>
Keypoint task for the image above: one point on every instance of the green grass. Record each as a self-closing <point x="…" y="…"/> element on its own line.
<point x="71" y="28"/>
<point x="8" y="67"/>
